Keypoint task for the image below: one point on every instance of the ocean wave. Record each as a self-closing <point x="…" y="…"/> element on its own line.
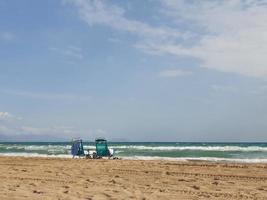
<point x="36" y="155"/>
<point x="62" y="149"/>
<point x="194" y="148"/>
<point x="185" y="159"/>
<point x="41" y="147"/>
<point x="213" y="159"/>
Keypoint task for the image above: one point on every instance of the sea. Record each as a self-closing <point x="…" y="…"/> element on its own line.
<point x="180" y="151"/>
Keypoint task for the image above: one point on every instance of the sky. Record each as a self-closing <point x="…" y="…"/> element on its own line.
<point x="143" y="70"/>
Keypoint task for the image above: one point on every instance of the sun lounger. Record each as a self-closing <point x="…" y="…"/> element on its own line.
<point x="102" y="149"/>
<point x="77" y="148"/>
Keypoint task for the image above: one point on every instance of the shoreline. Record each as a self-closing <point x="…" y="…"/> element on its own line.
<point x="149" y="158"/>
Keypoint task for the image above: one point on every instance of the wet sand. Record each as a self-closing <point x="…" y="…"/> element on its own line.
<point x="48" y="178"/>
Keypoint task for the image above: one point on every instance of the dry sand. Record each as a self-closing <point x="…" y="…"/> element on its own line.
<point x="46" y="178"/>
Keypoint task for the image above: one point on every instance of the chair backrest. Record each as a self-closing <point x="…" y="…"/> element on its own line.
<point x="101" y="147"/>
<point x="77" y="148"/>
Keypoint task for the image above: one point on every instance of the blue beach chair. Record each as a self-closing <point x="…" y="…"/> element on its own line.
<point x="77" y="148"/>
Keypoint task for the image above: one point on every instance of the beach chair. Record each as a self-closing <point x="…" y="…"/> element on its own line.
<point x="77" y="148"/>
<point x="102" y="149"/>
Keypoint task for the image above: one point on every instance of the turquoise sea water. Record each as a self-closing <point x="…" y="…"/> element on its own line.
<point x="240" y="152"/>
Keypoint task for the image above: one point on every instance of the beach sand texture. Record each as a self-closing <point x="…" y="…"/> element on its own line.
<point x="48" y="178"/>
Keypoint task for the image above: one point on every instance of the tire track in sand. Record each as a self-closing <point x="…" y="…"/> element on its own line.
<point x="239" y="177"/>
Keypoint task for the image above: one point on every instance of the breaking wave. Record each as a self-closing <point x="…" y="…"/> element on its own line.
<point x="194" y="148"/>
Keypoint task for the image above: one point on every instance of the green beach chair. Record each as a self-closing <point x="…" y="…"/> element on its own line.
<point x="102" y="148"/>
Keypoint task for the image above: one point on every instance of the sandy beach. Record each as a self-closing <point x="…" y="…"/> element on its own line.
<point x="55" y="178"/>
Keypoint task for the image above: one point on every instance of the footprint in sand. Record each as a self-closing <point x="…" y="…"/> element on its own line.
<point x="196" y="187"/>
<point x="37" y="192"/>
<point x="112" y="181"/>
<point x="215" y="183"/>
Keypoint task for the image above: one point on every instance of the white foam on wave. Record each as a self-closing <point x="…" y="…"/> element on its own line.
<point x="63" y="151"/>
<point x="64" y="148"/>
<point x="35" y="155"/>
<point x="213" y="159"/>
<point x="41" y="147"/>
<point x="194" y="148"/>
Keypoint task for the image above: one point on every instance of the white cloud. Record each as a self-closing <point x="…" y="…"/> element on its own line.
<point x="95" y="12"/>
<point x="114" y="40"/>
<point x="16" y="127"/>
<point x="6" y="36"/>
<point x="235" y="38"/>
<point x="260" y="90"/>
<point x="228" y="36"/>
<point x="99" y="133"/>
<point x="66" y="131"/>
<point x="4" y="129"/>
<point x="31" y="130"/>
<point x="49" y="96"/>
<point x="224" y="88"/>
<point x="12" y="127"/>
<point x="70" y="51"/>
<point x="174" y="73"/>
<point x="5" y="115"/>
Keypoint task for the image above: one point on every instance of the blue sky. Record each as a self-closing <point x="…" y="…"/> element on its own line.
<point x="163" y="70"/>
